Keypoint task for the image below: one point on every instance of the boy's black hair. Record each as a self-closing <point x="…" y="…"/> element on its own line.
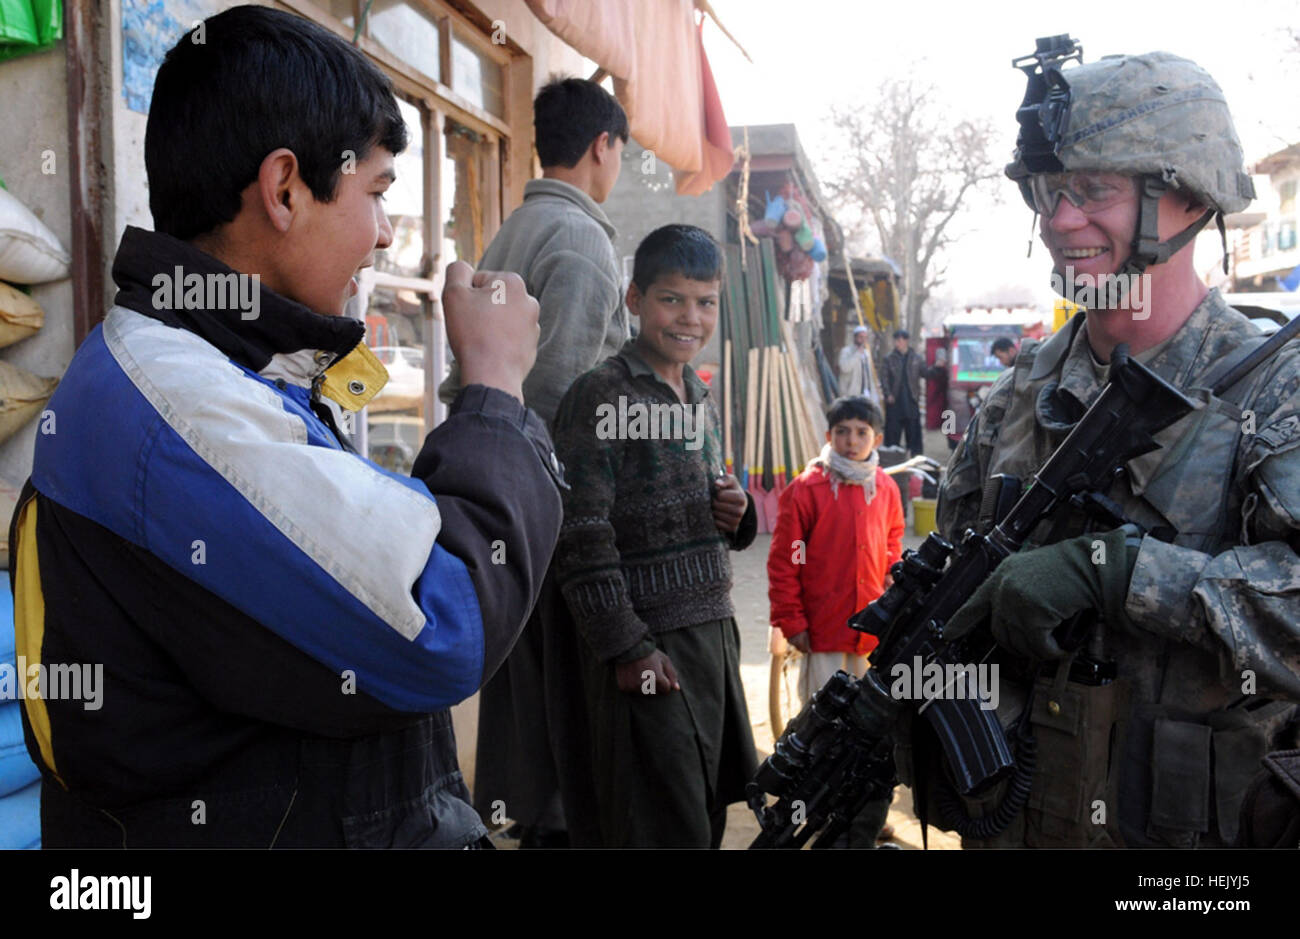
<point x="1002" y="344"/>
<point x="902" y="334"/>
<point x="676" y="249"/>
<point x="258" y="80"/>
<point x="856" y="407"/>
<point x="568" y="114"/>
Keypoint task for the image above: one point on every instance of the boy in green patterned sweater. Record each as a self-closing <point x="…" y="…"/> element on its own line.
<point x="642" y="562"/>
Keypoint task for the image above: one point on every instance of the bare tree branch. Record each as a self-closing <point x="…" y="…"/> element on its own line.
<point x="903" y="169"/>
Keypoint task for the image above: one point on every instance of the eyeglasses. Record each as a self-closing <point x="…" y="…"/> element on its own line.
<point x="1087" y="192"/>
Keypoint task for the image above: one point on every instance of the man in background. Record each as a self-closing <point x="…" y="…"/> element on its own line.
<point x="1004" y="350"/>
<point x="855" y="365"/>
<point x="560" y="242"/>
<point x="901" y="380"/>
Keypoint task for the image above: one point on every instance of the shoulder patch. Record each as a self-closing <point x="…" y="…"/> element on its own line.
<point x="1283" y="432"/>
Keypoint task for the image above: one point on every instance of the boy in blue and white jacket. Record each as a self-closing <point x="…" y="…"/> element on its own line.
<point x="281" y="623"/>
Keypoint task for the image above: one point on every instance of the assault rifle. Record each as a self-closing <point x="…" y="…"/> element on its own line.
<point x="837" y="754"/>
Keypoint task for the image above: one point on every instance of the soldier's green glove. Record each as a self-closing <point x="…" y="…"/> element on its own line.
<point x="1033" y="592"/>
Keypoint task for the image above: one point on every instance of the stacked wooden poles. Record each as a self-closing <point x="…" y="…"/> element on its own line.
<point x="769" y="414"/>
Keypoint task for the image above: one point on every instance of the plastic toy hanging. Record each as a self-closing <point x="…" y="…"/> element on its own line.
<point x="790" y="222"/>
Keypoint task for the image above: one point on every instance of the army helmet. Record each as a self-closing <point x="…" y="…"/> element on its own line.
<point x="1157" y="116"/>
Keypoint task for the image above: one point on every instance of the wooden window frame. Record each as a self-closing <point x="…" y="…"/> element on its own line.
<point x="517" y="159"/>
<point x="507" y="158"/>
<point x="447" y="18"/>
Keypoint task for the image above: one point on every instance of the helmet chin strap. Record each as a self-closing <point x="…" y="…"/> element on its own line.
<point x="1148" y="249"/>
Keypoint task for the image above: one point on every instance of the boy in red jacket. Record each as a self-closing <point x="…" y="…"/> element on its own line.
<point x="839" y="530"/>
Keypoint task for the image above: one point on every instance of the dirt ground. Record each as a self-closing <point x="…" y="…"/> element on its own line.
<point x="749" y="596"/>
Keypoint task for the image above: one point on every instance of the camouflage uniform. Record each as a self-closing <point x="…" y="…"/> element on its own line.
<point x="1216" y="601"/>
<point x="1208" y="659"/>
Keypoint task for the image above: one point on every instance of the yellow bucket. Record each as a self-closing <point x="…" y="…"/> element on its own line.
<point x="923" y="516"/>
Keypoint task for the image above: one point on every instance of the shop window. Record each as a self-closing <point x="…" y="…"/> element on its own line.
<point x="428" y="36"/>
<point x="475" y="76"/>
<point x="404" y="203"/>
<point x="465" y="228"/>
<point x="395" y="417"/>
<point x="1286" y="236"/>
<point x="408" y="32"/>
<point x="395" y="306"/>
<point x="426" y="48"/>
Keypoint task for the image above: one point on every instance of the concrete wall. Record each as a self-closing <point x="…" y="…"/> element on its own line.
<point x="549" y="53"/>
<point x="644" y="199"/>
<point x="33" y="92"/>
<point x="33" y="89"/>
<point x="130" y="191"/>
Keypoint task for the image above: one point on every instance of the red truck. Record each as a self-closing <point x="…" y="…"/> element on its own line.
<point x="961" y="366"/>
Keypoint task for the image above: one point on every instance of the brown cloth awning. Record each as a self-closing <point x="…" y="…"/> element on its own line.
<point x="652" y="49"/>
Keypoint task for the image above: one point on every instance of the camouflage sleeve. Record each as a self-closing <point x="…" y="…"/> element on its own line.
<point x="1245" y="602"/>
<point x="959" y="480"/>
<point x="963" y="481"/>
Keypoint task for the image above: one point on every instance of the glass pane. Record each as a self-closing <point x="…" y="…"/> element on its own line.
<point x="395" y="316"/>
<point x="475" y="76"/>
<point x="465" y="225"/>
<point x="974" y="360"/>
<point x="394" y="417"/>
<point x="394" y="440"/>
<point x="407" y="32"/>
<point x="404" y="203"/>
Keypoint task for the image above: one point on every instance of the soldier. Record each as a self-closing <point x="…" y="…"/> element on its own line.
<point x="1198" y="605"/>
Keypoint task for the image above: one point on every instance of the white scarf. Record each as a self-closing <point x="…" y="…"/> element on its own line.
<point x="841" y="469"/>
